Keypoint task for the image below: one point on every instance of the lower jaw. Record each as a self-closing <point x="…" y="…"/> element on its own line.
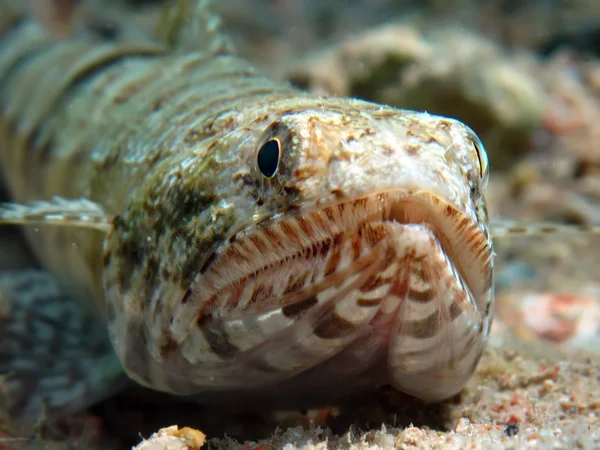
<point x="318" y="379"/>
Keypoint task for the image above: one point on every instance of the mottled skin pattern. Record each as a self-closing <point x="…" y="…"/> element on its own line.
<point x="365" y="259"/>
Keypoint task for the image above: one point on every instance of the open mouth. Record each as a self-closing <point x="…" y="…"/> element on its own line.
<point x="268" y="261"/>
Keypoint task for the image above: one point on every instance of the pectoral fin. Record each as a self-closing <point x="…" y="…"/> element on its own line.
<point x="80" y="213"/>
<point x="506" y="228"/>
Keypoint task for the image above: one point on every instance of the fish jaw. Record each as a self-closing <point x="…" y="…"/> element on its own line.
<point x="319" y="299"/>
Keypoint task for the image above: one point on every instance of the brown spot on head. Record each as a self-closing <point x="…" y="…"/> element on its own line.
<point x="292" y="192"/>
<point x="304" y="173"/>
<point x="291" y="208"/>
<point x="338" y="193"/>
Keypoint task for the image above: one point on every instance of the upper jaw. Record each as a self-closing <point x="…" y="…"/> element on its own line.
<point x="277" y="240"/>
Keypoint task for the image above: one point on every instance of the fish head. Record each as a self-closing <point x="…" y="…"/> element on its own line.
<point x="359" y="241"/>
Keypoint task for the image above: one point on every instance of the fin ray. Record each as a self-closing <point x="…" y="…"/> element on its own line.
<point x="81" y="213"/>
<point x="506" y="228"/>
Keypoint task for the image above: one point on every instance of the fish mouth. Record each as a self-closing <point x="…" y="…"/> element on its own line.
<point x="259" y="266"/>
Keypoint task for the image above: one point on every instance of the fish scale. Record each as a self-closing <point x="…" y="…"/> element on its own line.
<point x="368" y="245"/>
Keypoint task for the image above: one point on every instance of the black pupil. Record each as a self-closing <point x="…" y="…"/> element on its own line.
<point x="268" y="158"/>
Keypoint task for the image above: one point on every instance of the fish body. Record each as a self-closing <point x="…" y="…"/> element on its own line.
<point x="238" y="235"/>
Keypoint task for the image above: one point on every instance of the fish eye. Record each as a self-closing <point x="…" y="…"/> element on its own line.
<point x="268" y="157"/>
<point x="484" y="171"/>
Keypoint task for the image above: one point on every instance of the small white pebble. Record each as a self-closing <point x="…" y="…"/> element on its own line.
<point x="462" y="425"/>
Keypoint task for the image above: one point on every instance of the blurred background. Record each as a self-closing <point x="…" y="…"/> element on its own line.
<point x="525" y="75"/>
